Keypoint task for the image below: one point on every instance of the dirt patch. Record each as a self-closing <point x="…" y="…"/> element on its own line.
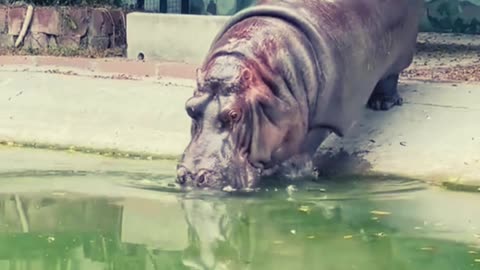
<point x="439" y="57"/>
<point x="64" y="52"/>
<point x="446" y="57"/>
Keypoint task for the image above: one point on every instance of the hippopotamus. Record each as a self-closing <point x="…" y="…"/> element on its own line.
<point x="283" y="75"/>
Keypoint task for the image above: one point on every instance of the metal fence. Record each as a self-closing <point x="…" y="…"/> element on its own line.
<point x="198" y="7"/>
<point x="457" y="16"/>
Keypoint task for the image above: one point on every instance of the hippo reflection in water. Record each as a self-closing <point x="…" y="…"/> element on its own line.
<point x="280" y="76"/>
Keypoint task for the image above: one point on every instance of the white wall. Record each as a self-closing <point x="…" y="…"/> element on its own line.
<point x="171" y="37"/>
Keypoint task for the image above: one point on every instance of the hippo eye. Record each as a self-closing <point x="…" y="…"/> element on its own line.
<point x="233" y="116"/>
<point x="228" y="118"/>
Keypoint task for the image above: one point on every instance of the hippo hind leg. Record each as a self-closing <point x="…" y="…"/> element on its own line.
<point x="385" y="94"/>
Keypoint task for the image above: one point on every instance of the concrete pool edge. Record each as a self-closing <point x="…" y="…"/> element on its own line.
<point x="97" y="116"/>
<point x="105" y="152"/>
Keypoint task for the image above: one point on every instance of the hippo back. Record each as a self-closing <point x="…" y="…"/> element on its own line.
<point x="345" y="48"/>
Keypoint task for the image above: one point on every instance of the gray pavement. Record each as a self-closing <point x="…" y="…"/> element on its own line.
<point x="139" y="116"/>
<point x="434" y="136"/>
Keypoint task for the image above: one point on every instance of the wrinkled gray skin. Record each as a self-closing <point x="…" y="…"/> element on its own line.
<point x="282" y="75"/>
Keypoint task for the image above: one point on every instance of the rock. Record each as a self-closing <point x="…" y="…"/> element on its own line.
<point x="75" y="21"/>
<point x="16" y="15"/>
<point x="6" y="40"/>
<point x="52" y="42"/>
<point x="119" y="37"/>
<point x="69" y="41"/>
<point x="101" y="23"/>
<point x="100" y="29"/>
<point x="99" y="42"/>
<point x="3" y="19"/>
<point x="36" y="40"/>
<point x="46" y="20"/>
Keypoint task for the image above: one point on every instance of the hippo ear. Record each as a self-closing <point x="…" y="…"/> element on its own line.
<point x="246" y="77"/>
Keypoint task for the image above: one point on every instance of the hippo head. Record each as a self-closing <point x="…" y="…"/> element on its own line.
<point x="239" y="126"/>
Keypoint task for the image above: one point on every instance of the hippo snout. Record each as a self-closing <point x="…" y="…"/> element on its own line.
<point x="201" y="178"/>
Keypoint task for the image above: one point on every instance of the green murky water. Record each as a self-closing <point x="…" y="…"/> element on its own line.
<point x="112" y="215"/>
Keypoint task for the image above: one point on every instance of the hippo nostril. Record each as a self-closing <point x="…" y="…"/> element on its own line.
<point x="201" y="177"/>
<point x="183" y="175"/>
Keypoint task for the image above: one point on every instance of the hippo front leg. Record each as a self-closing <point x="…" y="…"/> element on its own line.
<point x="385" y="94"/>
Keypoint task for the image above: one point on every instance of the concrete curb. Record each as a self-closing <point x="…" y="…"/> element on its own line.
<point x="117" y="66"/>
<point x="434" y="136"/>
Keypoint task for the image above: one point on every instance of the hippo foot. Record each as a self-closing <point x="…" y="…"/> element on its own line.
<point x="384" y="103"/>
<point x="385" y="94"/>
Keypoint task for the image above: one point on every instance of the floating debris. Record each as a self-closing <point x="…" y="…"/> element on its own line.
<point x="293" y="232"/>
<point x="380" y="213"/>
<point x="381" y="234"/>
<point x="348" y="237"/>
<point x="375" y="218"/>
<point x="278" y="242"/>
<point x="291" y="188"/>
<point x="418" y="228"/>
<point x="304" y="208"/>
<point x="426" y="248"/>
<point x="228" y="189"/>
<point x="311" y="237"/>
<point x="477" y="260"/>
<point x="50" y="239"/>
<point x="403" y="143"/>
<point x="472" y="252"/>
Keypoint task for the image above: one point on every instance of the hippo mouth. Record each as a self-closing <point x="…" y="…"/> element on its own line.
<point x="237" y="178"/>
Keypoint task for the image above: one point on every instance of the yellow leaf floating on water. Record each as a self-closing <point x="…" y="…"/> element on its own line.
<point x="348" y="237"/>
<point x="380" y="213"/>
<point x="304" y="208"/>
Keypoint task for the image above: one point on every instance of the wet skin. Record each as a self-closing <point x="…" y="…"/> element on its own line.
<point x="280" y="77"/>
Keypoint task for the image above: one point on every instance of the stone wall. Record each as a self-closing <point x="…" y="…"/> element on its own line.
<point x="71" y="27"/>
